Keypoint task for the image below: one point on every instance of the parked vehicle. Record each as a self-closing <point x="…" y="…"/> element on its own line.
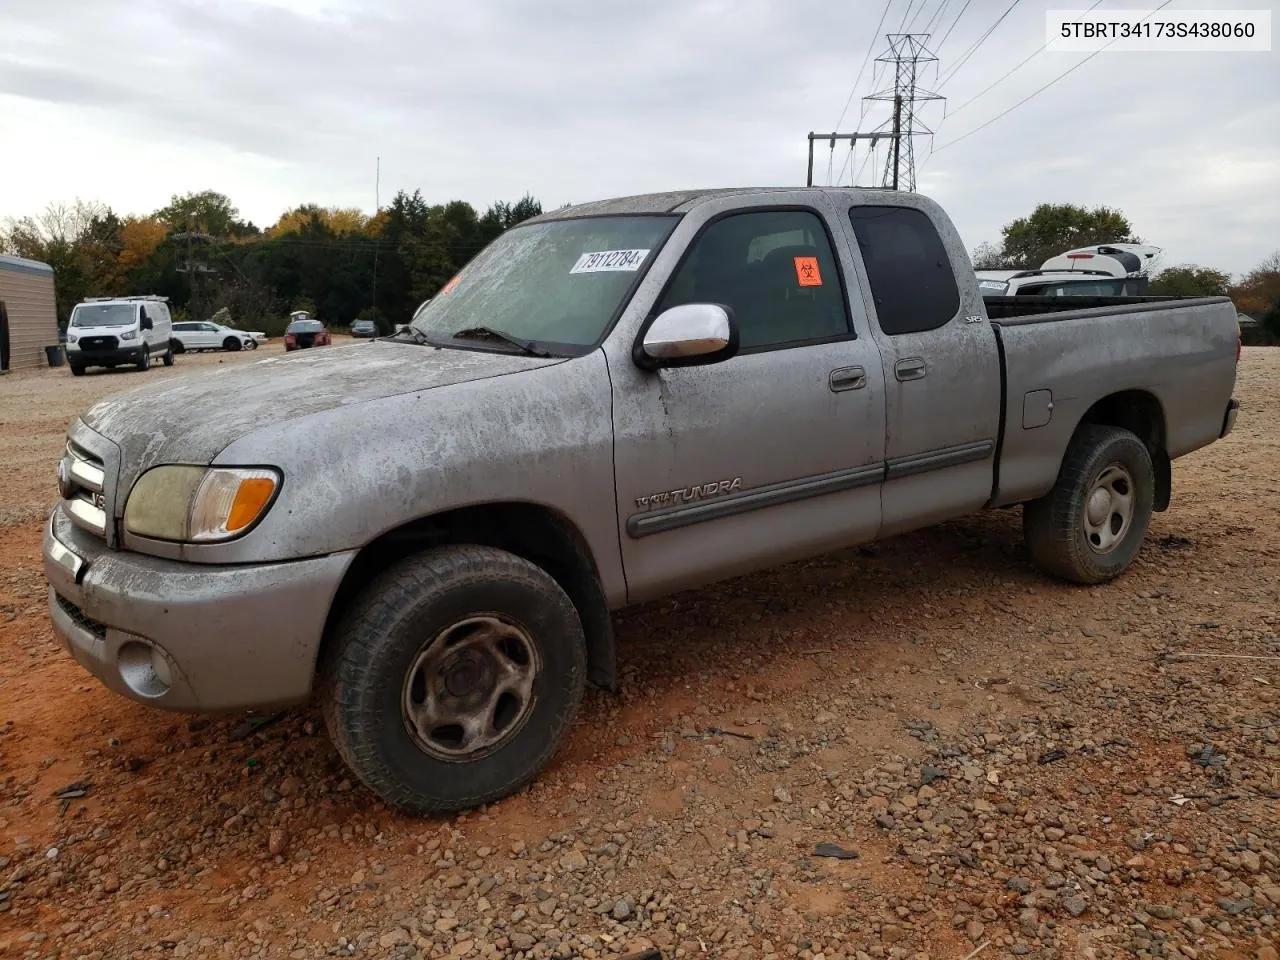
<point x="364" y="328"/>
<point x="1111" y="270"/>
<point x="611" y="403"/>
<point x="111" y="331"/>
<point x="303" y="332"/>
<point x="207" y="335"/>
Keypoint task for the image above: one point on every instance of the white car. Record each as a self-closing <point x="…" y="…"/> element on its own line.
<point x="113" y="331"/>
<point x="206" y="335"/>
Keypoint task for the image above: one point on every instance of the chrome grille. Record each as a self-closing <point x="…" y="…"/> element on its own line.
<point x="84" y="490"/>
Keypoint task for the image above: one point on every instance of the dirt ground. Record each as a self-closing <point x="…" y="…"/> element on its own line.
<point x="1022" y="767"/>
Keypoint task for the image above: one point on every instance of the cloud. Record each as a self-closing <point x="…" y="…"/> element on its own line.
<point x="278" y="102"/>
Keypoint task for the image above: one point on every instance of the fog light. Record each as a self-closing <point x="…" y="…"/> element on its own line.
<point x="145" y="668"/>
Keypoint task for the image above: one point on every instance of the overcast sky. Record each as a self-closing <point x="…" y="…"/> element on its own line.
<point x="280" y="102"/>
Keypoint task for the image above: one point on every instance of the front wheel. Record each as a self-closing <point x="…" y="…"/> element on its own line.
<point x="1090" y="526"/>
<point x="76" y="369"/>
<point x="231" y="343"/>
<point x="251" y="344"/>
<point x="144" y="360"/>
<point x="168" y="356"/>
<point x="453" y="678"/>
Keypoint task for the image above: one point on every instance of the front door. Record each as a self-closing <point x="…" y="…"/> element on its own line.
<point x="941" y="367"/>
<point x="774" y="454"/>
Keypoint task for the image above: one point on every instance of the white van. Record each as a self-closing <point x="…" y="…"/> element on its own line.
<point x="111" y="331"/>
<point x="1107" y="270"/>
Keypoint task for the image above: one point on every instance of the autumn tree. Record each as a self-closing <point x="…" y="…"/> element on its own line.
<point x="1258" y="293"/>
<point x="1050" y="230"/>
<point x="1189" y="280"/>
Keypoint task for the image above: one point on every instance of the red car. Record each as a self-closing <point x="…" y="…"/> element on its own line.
<point x="304" y="332"/>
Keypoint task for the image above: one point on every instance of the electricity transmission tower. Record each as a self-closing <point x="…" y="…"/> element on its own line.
<point x="907" y="54"/>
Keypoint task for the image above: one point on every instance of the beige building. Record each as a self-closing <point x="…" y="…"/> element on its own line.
<point x="28" y="317"/>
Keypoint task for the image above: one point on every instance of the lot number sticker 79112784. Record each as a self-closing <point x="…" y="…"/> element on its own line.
<point x="610" y="260"/>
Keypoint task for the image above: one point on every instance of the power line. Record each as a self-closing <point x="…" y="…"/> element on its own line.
<point x="1035" y="93"/>
<point x="974" y="49"/>
<point x="937" y="15"/>
<point x="1041" y="50"/>
<point x="953" y="24"/>
<point x="871" y="48"/>
<point x="910" y="3"/>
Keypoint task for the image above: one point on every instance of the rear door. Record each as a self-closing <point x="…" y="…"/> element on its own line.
<point x="940" y="360"/>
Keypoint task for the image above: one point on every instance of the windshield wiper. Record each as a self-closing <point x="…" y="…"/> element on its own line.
<point x="488" y="333"/>
<point x="414" y="335"/>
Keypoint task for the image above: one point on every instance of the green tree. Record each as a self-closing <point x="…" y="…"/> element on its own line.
<point x="1189" y="280"/>
<point x="1051" y="229"/>
<point x="207" y="212"/>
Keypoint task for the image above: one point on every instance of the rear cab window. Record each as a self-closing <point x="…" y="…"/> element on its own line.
<point x="912" y="281"/>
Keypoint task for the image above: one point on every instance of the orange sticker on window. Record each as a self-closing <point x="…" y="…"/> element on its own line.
<point x="448" y="287"/>
<point x="807" y="272"/>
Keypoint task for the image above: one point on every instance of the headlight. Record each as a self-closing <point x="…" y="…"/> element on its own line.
<point x="199" y="504"/>
<point x="129" y="335"/>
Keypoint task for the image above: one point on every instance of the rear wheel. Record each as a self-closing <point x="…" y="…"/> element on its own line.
<point x="231" y="343"/>
<point x="1090" y="526"/>
<point x="178" y="347"/>
<point x="144" y="360"/>
<point x="453" y="678"/>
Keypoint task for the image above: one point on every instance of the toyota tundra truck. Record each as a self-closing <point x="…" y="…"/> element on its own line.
<point x="612" y="402"/>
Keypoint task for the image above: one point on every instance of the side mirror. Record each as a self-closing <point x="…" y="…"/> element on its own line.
<point x="689" y="335"/>
<point x="147" y="324"/>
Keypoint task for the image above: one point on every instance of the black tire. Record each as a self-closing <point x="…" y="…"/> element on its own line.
<point x="176" y="346"/>
<point x="144" y="360"/>
<point x="1055" y="526"/>
<point x="168" y="356"/>
<point x="231" y="343"/>
<point x="367" y="675"/>
<point x="76" y="369"/>
<point x="251" y="344"/>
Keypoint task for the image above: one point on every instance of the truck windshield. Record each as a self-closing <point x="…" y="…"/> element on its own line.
<point x="557" y="284"/>
<point x="102" y="315"/>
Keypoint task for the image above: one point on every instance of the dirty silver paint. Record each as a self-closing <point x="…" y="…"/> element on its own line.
<point x="373" y="436"/>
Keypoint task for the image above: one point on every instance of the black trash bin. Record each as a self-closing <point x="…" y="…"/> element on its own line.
<point x="55" y="355"/>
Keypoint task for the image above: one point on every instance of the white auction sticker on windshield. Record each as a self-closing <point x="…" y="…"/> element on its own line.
<point x="606" y="260"/>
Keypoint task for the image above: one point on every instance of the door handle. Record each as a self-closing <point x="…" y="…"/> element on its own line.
<point x="910" y="368"/>
<point x="847" y="378"/>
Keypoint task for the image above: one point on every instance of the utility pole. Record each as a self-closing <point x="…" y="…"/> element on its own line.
<point x="833" y="137"/>
<point x="907" y="51"/>
<point x="193" y="266"/>
<point x="897" y="137"/>
<point x="377" y="205"/>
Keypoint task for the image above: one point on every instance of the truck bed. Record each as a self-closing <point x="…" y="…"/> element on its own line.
<point x="1174" y="355"/>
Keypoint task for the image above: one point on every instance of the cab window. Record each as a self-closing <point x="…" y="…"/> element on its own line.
<point x="774" y="269"/>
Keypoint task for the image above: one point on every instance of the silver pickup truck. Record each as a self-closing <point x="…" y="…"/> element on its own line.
<point x="610" y="403"/>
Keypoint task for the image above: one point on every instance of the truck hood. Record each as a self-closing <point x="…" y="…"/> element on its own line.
<point x="189" y="419"/>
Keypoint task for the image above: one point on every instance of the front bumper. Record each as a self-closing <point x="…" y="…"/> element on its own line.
<point x="95" y="358"/>
<point x="184" y="636"/>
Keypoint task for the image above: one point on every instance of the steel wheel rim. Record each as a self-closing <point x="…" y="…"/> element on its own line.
<point x="1108" y="509"/>
<point x="470" y="688"/>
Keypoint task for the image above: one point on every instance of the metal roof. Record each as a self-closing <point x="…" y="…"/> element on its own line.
<point x="19" y="265"/>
